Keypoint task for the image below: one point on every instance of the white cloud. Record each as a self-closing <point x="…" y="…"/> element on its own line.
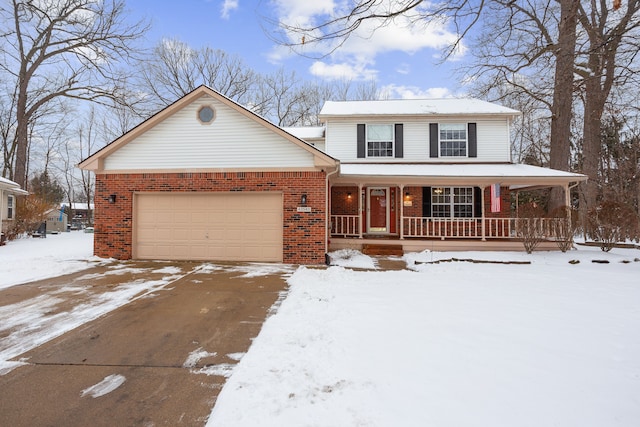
<point x="371" y="39"/>
<point x="228" y="6"/>
<point x="403" y="68"/>
<point x="337" y="71"/>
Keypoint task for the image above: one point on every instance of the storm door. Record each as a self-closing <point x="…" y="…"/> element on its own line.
<point x="378" y="210"/>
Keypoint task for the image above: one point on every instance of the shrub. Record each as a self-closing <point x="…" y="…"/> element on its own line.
<point x="31" y="211"/>
<point x="564" y="224"/>
<point x="612" y="222"/>
<point x="530" y="225"/>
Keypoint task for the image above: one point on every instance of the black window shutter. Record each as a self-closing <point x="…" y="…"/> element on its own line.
<point x="433" y="140"/>
<point x="426" y="201"/>
<point x="361" y="142"/>
<point x="473" y="140"/>
<point x="477" y="202"/>
<point x="399" y="141"/>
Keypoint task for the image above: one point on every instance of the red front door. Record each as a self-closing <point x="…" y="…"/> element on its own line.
<point x="378" y="210"/>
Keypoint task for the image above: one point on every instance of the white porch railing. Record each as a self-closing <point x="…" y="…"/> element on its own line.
<point x="345" y="225"/>
<point x="491" y="228"/>
<point x="449" y="228"/>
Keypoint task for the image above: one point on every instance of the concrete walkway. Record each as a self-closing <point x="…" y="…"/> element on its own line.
<point x="159" y="360"/>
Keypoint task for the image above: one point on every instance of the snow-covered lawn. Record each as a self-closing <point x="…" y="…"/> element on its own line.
<point x="26" y="260"/>
<point x="449" y="344"/>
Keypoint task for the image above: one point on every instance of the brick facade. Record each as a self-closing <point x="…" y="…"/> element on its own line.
<point x="304" y="234"/>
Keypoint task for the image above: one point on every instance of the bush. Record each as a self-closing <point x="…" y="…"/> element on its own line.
<point x="31" y="211"/>
<point x="530" y="225"/>
<point x="612" y="222"/>
<point x="564" y="224"/>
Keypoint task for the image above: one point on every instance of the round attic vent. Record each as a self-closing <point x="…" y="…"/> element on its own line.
<point x="206" y="114"/>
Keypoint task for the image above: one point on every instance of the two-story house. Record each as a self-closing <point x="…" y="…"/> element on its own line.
<point x="207" y="179"/>
<point x="433" y="173"/>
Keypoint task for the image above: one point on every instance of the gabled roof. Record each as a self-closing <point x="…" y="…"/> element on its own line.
<point x="415" y="107"/>
<point x="95" y="161"/>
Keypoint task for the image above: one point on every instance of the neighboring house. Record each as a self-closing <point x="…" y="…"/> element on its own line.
<point x="82" y="214"/>
<point x="8" y="192"/>
<point x="206" y="179"/>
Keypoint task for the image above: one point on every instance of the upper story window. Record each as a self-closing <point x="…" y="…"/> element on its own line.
<point x="10" y="206"/>
<point x="452" y="202"/>
<point x="379" y="141"/>
<point x="453" y="140"/>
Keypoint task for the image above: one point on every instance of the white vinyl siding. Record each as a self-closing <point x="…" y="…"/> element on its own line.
<point x="231" y="140"/>
<point x="492" y="139"/>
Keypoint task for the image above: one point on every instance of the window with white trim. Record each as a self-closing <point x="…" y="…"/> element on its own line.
<point x="379" y="140"/>
<point x="452" y="202"/>
<point x="453" y="140"/>
<point x="10" y="206"/>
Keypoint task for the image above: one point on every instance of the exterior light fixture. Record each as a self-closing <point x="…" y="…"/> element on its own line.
<point x="407" y="195"/>
<point x="303" y="200"/>
<point x="112" y="198"/>
<point x="349" y="196"/>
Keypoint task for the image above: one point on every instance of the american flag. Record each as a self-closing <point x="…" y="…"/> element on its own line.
<point x="495" y="198"/>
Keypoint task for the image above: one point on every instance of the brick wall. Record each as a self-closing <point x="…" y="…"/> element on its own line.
<point x="303" y="233"/>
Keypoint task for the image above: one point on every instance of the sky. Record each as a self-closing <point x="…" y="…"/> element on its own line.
<point x="402" y="59"/>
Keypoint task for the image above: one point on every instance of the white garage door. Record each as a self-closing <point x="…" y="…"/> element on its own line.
<point x="208" y="226"/>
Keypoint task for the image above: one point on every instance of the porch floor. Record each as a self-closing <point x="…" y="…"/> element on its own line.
<point x="452" y="245"/>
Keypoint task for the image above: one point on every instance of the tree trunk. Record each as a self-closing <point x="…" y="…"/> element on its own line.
<point x="561" y="109"/>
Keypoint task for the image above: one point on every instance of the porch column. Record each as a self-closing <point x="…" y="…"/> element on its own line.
<point x="484" y="239"/>
<point x="402" y="212"/>
<point x="360" y="212"/>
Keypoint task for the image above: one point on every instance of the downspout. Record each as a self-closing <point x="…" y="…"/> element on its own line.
<point x="327" y="202"/>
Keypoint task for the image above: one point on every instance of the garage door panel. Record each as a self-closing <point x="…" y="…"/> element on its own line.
<point x="209" y="226"/>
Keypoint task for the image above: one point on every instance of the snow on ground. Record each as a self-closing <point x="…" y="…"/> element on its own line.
<point x="449" y="344"/>
<point x="28" y="259"/>
<point x="442" y="344"/>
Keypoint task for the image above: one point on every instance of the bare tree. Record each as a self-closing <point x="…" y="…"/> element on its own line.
<point x="61" y="49"/>
<point x="607" y="53"/>
<point x="176" y="69"/>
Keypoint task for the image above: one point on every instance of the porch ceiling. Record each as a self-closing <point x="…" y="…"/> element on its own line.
<point x="508" y="174"/>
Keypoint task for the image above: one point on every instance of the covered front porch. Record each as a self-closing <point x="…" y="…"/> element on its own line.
<point x="447" y="207"/>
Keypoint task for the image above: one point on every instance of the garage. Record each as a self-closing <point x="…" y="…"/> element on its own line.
<point x="237" y="226"/>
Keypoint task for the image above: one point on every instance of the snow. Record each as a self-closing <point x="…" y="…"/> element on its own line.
<point x="507" y="171"/>
<point x="445" y="342"/>
<point x="106" y="386"/>
<point x="28" y="259"/>
<point x="413" y="107"/>
<point x="448" y="344"/>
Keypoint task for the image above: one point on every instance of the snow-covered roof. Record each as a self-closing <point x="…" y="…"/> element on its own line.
<point x="506" y="173"/>
<point x="10" y="186"/>
<point x="77" y="206"/>
<point x="413" y="107"/>
<point x="306" y="132"/>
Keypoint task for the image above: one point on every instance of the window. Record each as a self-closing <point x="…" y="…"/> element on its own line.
<point x="453" y="140"/>
<point x="10" y="206"/>
<point x="379" y="141"/>
<point x="206" y="114"/>
<point x="452" y="202"/>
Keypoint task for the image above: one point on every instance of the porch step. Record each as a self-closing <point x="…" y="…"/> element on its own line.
<point x="378" y="249"/>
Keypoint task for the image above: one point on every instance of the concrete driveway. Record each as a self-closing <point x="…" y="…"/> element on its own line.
<point x="160" y="359"/>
